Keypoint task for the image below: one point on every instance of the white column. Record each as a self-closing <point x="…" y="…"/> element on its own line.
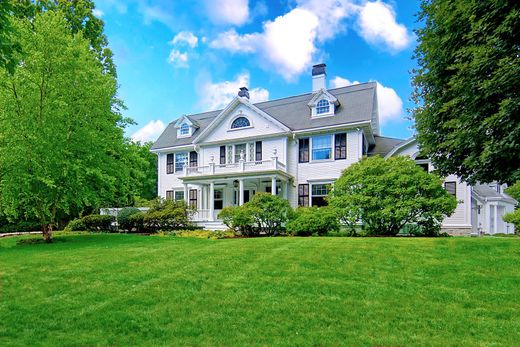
<point x="284" y="189"/>
<point x="186" y="198"/>
<point x="240" y="192"/>
<point x="211" y="200"/>
<point x="273" y="185"/>
<point x="496" y="220"/>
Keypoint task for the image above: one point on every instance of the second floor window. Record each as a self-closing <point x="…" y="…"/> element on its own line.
<point x="169" y="164"/>
<point x="321" y="147"/>
<point x="340" y="146"/>
<point x="180" y="160"/>
<point x="303" y="145"/>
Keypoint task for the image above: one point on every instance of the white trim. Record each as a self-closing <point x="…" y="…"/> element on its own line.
<point x="339" y="126"/>
<point x="399" y="146"/>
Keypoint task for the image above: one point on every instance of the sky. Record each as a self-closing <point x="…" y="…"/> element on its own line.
<point x="177" y="57"/>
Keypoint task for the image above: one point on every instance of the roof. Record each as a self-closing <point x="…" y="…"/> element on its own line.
<point x="384" y="145"/>
<point x="357" y="103"/>
<point x="487" y="192"/>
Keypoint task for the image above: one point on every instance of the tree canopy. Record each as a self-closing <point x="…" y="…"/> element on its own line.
<point x="386" y="194"/>
<point x="467" y="85"/>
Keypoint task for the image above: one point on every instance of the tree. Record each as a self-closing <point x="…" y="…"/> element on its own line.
<point x="61" y="145"/>
<point x="8" y="47"/>
<point x="467" y="86"/>
<point x="385" y="195"/>
<point x="514" y="217"/>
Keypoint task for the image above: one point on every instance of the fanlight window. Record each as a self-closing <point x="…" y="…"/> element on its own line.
<point x="185" y="129"/>
<point x="322" y="107"/>
<point x="240" y="122"/>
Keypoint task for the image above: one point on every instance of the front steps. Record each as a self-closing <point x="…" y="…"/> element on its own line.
<point x="211" y="225"/>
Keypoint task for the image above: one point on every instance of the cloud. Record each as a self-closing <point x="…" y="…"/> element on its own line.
<point x="150" y="132"/>
<point x="389" y="103"/>
<point x="157" y="14"/>
<point x="178" y="59"/>
<point x="227" y="12"/>
<point x="185" y="37"/>
<point x="98" y="13"/>
<point x="218" y="95"/>
<point x="377" y="25"/>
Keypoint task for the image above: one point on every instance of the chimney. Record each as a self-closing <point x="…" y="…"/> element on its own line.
<point x="319" y="77"/>
<point x="244" y="93"/>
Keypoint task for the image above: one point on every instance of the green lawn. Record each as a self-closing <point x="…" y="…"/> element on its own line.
<point x="121" y="290"/>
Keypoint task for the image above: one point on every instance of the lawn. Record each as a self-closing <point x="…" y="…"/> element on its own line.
<point x="122" y="290"/>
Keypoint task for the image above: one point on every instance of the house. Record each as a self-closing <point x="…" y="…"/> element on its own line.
<point x="294" y="147"/>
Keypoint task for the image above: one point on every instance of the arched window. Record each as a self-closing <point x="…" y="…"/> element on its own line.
<point x="185" y="129"/>
<point x="322" y="106"/>
<point x="240" y="122"/>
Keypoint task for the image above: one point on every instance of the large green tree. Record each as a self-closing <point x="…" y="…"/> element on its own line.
<point x="8" y="46"/>
<point x="61" y="146"/>
<point x="467" y="85"/>
<point x="386" y="194"/>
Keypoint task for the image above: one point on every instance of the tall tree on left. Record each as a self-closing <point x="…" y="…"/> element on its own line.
<point x="60" y="137"/>
<point x="8" y="46"/>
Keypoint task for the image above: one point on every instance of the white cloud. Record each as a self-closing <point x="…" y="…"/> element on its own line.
<point x="157" y="14"/>
<point x="232" y="12"/>
<point x="150" y="132"/>
<point x="178" y="59"/>
<point x="235" y="43"/>
<point x="97" y="12"/>
<point x="185" y="37"/>
<point x="218" y="95"/>
<point x="377" y="25"/>
<point x="338" y="82"/>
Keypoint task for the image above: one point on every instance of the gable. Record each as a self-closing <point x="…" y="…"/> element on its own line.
<point x="260" y="124"/>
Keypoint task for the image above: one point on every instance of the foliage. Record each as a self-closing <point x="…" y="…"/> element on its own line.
<point x="514" y="191"/>
<point x="136" y="222"/>
<point x="143" y="170"/>
<point x="269" y="212"/>
<point x="313" y="221"/>
<point x="76" y="225"/>
<point x="239" y="219"/>
<point x="18" y="226"/>
<point x="123" y="218"/>
<point x="8" y="46"/>
<point x="467" y="85"/>
<point x="206" y="234"/>
<point x="166" y="214"/>
<point x="513" y="218"/>
<point x="386" y="194"/>
<point x="97" y="222"/>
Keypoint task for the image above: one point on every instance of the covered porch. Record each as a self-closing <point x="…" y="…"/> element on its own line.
<point x="212" y="193"/>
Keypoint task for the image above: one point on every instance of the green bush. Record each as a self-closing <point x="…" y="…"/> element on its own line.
<point x="97" y="222"/>
<point x="167" y="215"/>
<point x="123" y="218"/>
<point x="513" y="218"/>
<point x="239" y="219"/>
<point x="136" y="222"/>
<point x="313" y="221"/>
<point x="76" y="225"/>
<point x="269" y="212"/>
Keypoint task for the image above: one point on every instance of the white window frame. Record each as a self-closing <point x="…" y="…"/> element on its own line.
<point x="241" y="128"/>
<point x="175" y="192"/>
<point x="311" y="148"/>
<point x="311" y="188"/>
<point x="331" y="112"/>
<point x="175" y="161"/>
<point x="179" y="130"/>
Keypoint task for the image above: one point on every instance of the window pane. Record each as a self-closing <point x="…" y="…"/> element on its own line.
<point x="320" y="189"/>
<point x="451" y="187"/>
<point x="238" y="149"/>
<point x="321" y="147"/>
<point x="179" y="195"/>
<point x="240" y="122"/>
<point x="322" y="107"/>
<point x="185" y="129"/>
<point x="180" y="160"/>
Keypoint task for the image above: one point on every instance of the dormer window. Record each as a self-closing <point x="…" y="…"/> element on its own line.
<point x="240" y="122"/>
<point x="322" y="107"/>
<point x="184" y="129"/>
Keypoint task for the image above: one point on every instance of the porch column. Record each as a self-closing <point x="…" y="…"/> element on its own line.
<point x="186" y="198"/>
<point x="284" y="189"/>
<point x="273" y="185"/>
<point x="240" y="192"/>
<point x="211" y="200"/>
<point x="496" y="220"/>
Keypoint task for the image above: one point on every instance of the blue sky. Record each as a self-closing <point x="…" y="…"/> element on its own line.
<point x="178" y="57"/>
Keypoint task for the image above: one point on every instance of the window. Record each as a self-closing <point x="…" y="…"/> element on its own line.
<point x="322" y="106"/>
<point x="240" y="122"/>
<point x="321" y="147"/>
<point x="193" y="198"/>
<point x="184" y="129"/>
<point x="169" y="195"/>
<point x="319" y="194"/>
<point x="179" y="195"/>
<point x="180" y="160"/>
<point x="218" y="199"/>
<point x="193" y="159"/>
<point x="451" y="187"/>
<point x="340" y="146"/>
<point x="222" y="154"/>
<point x="303" y="150"/>
<point x="241" y="148"/>
<point x="169" y="163"/>
<point x="303" y="195"/>
<point x="258" y="150"/>
<point x="424" y="166"/>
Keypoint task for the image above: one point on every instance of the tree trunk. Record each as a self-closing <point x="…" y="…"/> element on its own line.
<point x="47" y="233"/>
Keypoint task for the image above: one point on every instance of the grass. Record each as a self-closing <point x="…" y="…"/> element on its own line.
<point x="118" y="290"/>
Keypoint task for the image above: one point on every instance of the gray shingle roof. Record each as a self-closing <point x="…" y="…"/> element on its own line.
<point x="357" y="104"/>
<point x="383" y="145"/>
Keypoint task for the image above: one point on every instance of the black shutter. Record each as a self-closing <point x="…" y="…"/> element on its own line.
<point x="193" y="198"/>
<point x="340" y="146"/>
<point x="258" y="150"/>
<point x="303" y="150"/>
<point x="222" y="154"/>
<point x="451" y="187"/>
<point x="170" y="165"/>
<point x="303" y="195"/>
<point x="193" y="159"/>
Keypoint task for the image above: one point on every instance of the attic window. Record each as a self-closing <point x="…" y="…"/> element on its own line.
<point x="240" y="122"/>
<point x="184" y="129"/>
<point x="322" y="107"/>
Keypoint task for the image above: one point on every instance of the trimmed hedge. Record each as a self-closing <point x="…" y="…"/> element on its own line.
<point x="76" y="225"/>
<point x="123" y="218"/>
<point x="97" y="222"/>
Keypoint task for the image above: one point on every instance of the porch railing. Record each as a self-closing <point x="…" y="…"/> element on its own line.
<point x="204" y="215"/>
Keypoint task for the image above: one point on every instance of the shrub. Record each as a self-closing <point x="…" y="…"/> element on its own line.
<point x="513" y="218"/>
<point x="313" y="221"/>
<point x="136" y="222"/>
<point x="239" y="219"/>
<point x="97" y="222"/>
<point x="123" y="218"/>
<point x="269" y="212"/>
<point x="76" y="225"/>
<point x="386" y="194"/>
<point x="167" y="215"/>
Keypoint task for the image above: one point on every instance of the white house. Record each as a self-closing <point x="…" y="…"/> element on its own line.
<point x="295" y="147"/>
